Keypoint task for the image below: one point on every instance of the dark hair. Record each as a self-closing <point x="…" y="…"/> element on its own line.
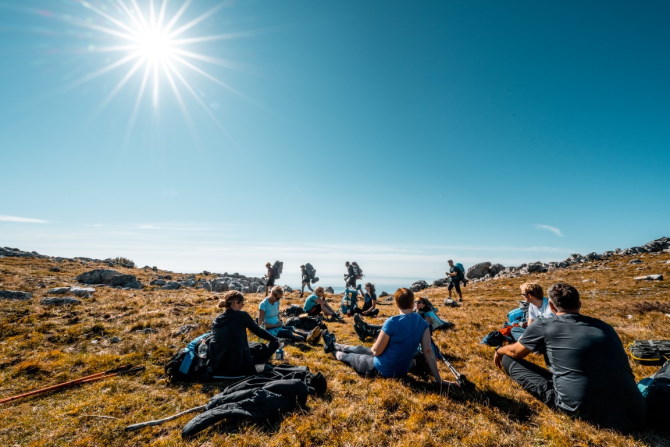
<point x="230" y="297"/>
<point x="427" y="303"/>
<point x="404" y="298"/>
<point x="564" y="296"/>
<point x="371" y="286"/>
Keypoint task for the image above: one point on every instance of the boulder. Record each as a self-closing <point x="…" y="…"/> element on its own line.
<point x="59" y="301"/>
<point x="451" y="303"/>
<point x="18" y="296"/>
<point x="109" y="277"/>
<point x="288" y="289"/>
<point x="331" y="291"/>
<point x="649" y="278"/>
<point x="495" y="269"/>
<point x="383" y="294"/>
<point x="82" y="292"/>
<point x="261" y="289"/>
<point x="418" y="285"/>
<point x="536" y="267"/>
<point x="478" y="270"/>
<point x="219" y="285"/>
<point x="158" y="282"/>
<point x="58" y="290"/>
<point x="635" y="261"/>
<point x="171" y="285"/>
<point x="54" y="269"/>
<point x="441" y="282"/>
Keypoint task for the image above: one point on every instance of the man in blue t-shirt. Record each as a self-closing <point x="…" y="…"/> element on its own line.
<point x="392" y="353"/>
<point x="268" y="318"/>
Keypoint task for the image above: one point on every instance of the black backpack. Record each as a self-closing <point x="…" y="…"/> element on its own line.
<point x="190" y="363"/>
<point x="311" y="272"/>
<point x="358" y="271"/>
<point x="656" y="391"/>
<point x="277" y="269"/>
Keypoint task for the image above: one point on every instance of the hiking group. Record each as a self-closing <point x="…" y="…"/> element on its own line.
<point x="587" y="376"/>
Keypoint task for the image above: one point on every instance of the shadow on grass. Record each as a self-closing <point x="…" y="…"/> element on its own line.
<point x="653" y="435"/>
<point x="516" y="410"/>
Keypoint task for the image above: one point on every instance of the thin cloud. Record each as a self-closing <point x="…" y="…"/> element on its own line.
<point x="22" y="219"/>
<point x="556" y="231"/>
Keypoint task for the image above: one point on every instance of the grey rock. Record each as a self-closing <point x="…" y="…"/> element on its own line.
<point x="158" y="282"/>
<point x="15" y="295"/>
<point x="332" y="291"/>
<point x="536" y="267"/>
<point x="189" y="283"/>
<point x="59" y="290"/>
<point x="125" y="281"/>
<point x="649" y="278"/>
<point x="149" y="330"/>
<point x="204" y="285"/>
<point x="635" y="261"/>
<point x="593" y="256"/>
<point x="451" y="303"/>
<point x="440" y="282"/>
<point x="384" y="293"/>
<point x="495" y="269"/>
<point x="478" y="270"/>
<point x="109" y="277"/>
<point x="219" y="285"/>
<point x="82" y="292"/>
<point x="235" y="286"/>
<point x="172" y="285"/>
<point x="261" y="289"/>
<point x="186" y="329"/>
<point x="54" y="269"/>
<point x="114" y="340"/>
<point x="288" y="289"/>
<point x="59" y="301"/>
<point x="418" y="286"/>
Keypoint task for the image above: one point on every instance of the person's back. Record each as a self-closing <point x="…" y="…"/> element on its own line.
<point x="229" y="348"/>
<point x="592" y="377"/>
<point x="405" y="332"/>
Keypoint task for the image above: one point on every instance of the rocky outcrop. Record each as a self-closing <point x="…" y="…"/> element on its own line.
<point x="82" y="292"/>
<point x="418" y="286"/>
<point x="16" y="253"/>
<point x="15" y="295"/>
<point x="478" y="270"/>
<point x="110" y="278"/>
<point x="649" y="278"/>
<point x="59" y="301"/>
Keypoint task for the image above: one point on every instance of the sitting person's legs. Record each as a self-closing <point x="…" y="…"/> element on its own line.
<point x="358" y="357"/>
<point x="290" y="333"/>
<point x="533" y="378"/>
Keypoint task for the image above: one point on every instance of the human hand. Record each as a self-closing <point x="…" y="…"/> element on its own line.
<point x="497" y="359"/>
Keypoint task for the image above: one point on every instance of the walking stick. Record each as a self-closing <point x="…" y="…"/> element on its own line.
<point x="463" y="382"/>
<point x="126" y="369"/>
<point x="161" y="421"/>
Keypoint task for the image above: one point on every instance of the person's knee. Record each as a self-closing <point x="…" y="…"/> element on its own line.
<point x="507" y="362"/>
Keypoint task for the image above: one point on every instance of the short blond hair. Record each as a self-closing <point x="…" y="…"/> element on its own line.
<point x="532" y="289"/>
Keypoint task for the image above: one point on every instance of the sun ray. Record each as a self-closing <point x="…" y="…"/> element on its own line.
<point x="129" y="13"/>
<point x="177" y="16"/>
<point x="161" y="14"/>
<point x="138" y="100"/>
<point x="227" y="36"/>
<point x="105" y="69"/>
<point x="140" y="15"/>
<point x="116" y="22"/>
<point x="180" y="100"/>
<point x="210" y="60"/>
<point x="121" y="84"/>
<point x="195" y="21"/>
<point x="210" y="77"/>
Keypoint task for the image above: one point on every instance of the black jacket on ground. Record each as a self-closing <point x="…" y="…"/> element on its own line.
<point x="229" y="353"/>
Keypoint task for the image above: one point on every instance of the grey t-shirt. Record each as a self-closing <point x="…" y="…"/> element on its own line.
<point x="591" y="374"/>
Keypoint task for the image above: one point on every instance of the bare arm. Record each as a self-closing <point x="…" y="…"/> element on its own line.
<point x="380" y="344"/>
<point x="429" y="355"/>
<point x="515" y="350"/>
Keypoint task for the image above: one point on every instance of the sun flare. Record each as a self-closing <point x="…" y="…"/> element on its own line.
<point x="153" y="41"/>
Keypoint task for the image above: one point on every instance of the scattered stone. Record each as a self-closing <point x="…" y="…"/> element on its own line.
<point x="649" y="278"/>
<point x="172" y="285"/>
<point x="440" y="282"/>
<point x="329" y="290"/>
<point x="451" y="303"/>
<point x="287" y="289"/>
<point x="82" y="292"/>
<point x="158" y="282"/>
<point x="220" y="285"/>
<point x="54" y="269"/>
<point x="109" y="277"/>
<point x="384" y="294"/>
<point x="418" y="286"/>
<point x="589" y="280"/>
<point x="114" y="340"/>
<point x="185" y="329"/>
<point x="635" y="261"/>
<point x="59" y="290"/>
<point x="149" y="330"/>
<point x="629" y="317"/>
<point x="18" y="296"/>
<point x="59" y="301"/>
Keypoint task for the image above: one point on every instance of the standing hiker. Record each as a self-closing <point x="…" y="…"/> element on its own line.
<point x="229" y="353"/>
<point x="306" y="280"/>
<point x="456" y="275"/>
<point x="270" y="278"/>
<point x="589" y="375"/>
<point x="350" y="276"/>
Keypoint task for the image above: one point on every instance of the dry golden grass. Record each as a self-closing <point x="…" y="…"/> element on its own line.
<point x="40" y="346"/>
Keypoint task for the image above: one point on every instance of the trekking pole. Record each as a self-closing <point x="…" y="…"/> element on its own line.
<point x="463" y="382"/>
<point x="90" y="378"/>
<point x="167" y="419"/>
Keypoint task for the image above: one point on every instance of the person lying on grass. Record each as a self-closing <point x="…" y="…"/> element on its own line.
<point x="316" y="303"/>
<point x="590" y="377"/>
<point x="229" y="353"/>
<point x="427" y="311"/>
<point x="392" y="353"/>
<point x="268" y="317"/>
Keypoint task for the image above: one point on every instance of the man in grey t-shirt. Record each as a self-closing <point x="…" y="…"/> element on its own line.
<point x="590" y="377"/>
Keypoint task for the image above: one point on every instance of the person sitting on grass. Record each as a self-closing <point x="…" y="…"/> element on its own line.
<point x="392" y="353"/>
<point x="316" y="303"/>
<point x="365" y="330"/>
<point x="370" y="301"/>
<point x="589" y="375"/>
<point x="427" y="311"/>
<point x="538" y="305"/>
<point x="268" y="317"/>
<point x="229" y="353"/>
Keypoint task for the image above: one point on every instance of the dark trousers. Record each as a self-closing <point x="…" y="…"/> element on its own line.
<point x="534" y="379"/>
<point x="359" y="358"/>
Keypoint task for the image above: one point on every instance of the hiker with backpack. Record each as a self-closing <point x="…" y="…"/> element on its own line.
<point x="456" y="275"/>
<point x="349" y="302"/>
<point x="589" y="375"/>
<point x="350" y="276"/>
<point x="269" y="278"/>
<point x="316" y="303"/>
<point x="306" y="280"/>
<point x="369" y="308"/>
<point x="538" y="304"/>
<point x="268" y="317"/>
<point x="425" y="308"/>
<point x="229" y="353"/>
<point x="392" y="353"/>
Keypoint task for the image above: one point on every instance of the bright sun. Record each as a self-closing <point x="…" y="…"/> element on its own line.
<point x="151" y="41"/>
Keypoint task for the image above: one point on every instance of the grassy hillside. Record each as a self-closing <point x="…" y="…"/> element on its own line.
<point x="40" y="346"/>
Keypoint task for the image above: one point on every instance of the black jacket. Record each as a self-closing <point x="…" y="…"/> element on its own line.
<point x="229" y="353"/>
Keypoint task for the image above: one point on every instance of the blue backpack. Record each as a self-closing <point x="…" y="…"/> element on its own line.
<point x="189" y="363"/>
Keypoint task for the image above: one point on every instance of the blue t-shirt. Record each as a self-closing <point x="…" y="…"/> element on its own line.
<point x="310" y="302"/>
<point x="405" y="332"/>
<point x="271" y="314"/>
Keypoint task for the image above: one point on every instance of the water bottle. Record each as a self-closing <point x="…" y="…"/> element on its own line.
<point x="279" y="354"/>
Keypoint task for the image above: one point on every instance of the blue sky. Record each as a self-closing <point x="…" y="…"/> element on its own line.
<point x="397" y="134"/>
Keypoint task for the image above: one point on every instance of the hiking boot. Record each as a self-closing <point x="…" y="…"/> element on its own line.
<point x="328" y="342"/>
<point x="314" y="336"/>
<point x="361" y="332"/>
